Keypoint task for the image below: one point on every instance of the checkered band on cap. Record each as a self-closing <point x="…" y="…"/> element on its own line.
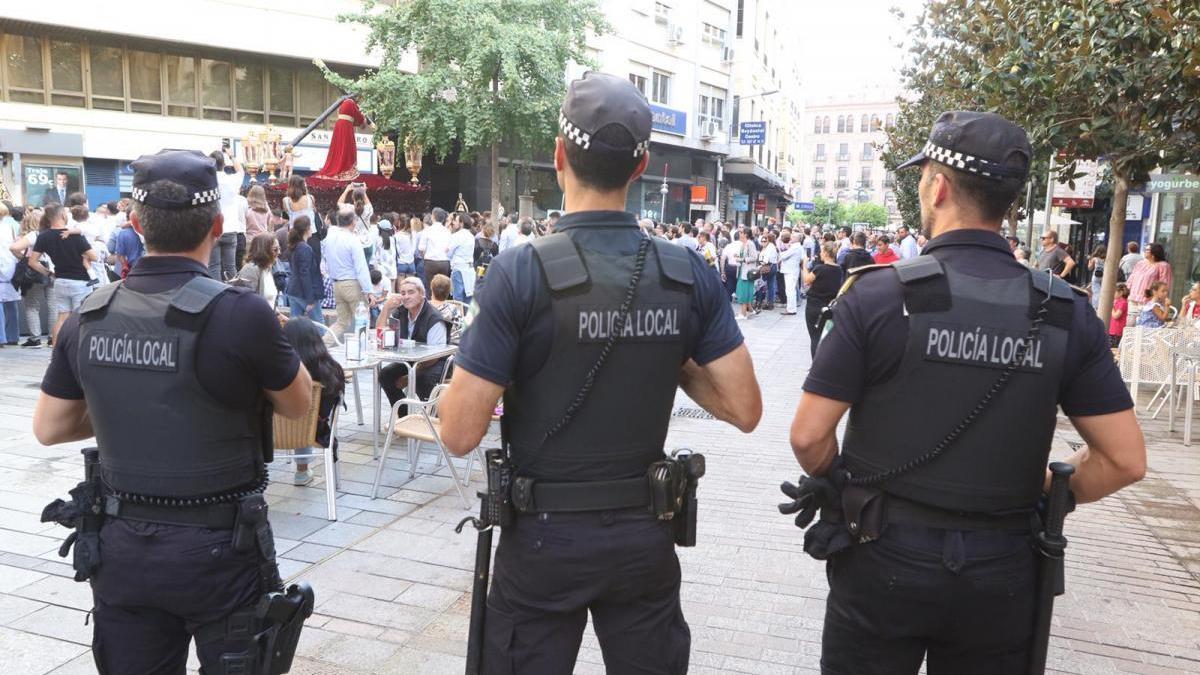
<point x="584" y="140"/>
<point x="573" y="133"/>
<point x="965" y="162"/>
<point x="206" y="196"/>
<point x="138" y="194"/>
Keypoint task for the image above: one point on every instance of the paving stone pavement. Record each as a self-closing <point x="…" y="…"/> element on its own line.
<point x="393" y="579"/>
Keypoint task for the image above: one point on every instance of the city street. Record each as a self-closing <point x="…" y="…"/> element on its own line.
<point x="392" y="578"/>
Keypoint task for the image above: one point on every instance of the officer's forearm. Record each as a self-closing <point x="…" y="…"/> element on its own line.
<point x="717" y="388"/>
<point x="1114" y="457"/>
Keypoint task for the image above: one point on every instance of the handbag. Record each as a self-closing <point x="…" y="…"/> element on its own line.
<point x="25" y="276"/>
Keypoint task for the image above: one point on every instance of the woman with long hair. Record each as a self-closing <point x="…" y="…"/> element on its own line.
<point x="297" y="202"/>
<point x="406" y="249"/>
<point x="37" y="296"/>
<point x="306" y="340"/>
<point x="258" y="216"/>
<point x="747" y="261"/>
<point x="304" y="289"/>
<point x="256" y="273"/>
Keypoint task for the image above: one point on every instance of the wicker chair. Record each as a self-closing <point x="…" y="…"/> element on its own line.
<point x="301" y="434"/>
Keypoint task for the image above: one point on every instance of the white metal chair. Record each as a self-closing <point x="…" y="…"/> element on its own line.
<point x="301" y="434"/>
<point x="424" y="427"/>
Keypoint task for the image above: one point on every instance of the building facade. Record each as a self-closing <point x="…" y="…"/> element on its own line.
<point x="841" y="157"/>
<point x="677" y="52"/>
<point x="87" y="101"/>
<point x="763" y="169"/>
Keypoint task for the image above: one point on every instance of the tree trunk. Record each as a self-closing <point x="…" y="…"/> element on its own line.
<point x="495" y="171"/>
<point x="1116" y="234"/>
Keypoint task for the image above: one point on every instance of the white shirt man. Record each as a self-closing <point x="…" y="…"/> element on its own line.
<point x="508" y="236"/>
<point x="906" y="244"/>
<point x="436" y="246"/>
<point x="230" y="185"/>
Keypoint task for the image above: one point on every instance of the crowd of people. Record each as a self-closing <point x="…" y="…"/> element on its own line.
<point x="305" y="262"/>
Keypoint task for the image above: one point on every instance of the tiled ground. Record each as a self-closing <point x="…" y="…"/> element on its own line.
<point x="392" y="578"/>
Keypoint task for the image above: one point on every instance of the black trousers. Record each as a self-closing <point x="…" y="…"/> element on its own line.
<point x="427" y="379"/>
<point x="962" y="600"/>
<point x="552" y="569"/>
<point x="156" y="585"/>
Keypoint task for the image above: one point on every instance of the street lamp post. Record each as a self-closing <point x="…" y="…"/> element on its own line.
<point x="662" y="211"/>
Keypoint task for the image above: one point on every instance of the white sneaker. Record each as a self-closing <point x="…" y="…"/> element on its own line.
<point x="302" y="477"/>
<point x="740" y="317"/>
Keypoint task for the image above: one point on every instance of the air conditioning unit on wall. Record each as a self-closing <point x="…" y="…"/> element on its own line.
<point x="709" y="130"/>
<point x="674" y="34"/>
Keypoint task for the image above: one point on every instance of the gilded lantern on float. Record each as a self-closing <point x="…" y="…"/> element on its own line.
<point x="251" y="153"/>
<point x="387" y="156"/>
<point x="412" y="159"/>
<point x="271" y="142"/>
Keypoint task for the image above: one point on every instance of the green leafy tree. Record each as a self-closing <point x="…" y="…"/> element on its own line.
<point x="1111" y="79"/>
<point x="825" y="211"/>
<point x="871" y="213"/>
<point x="488" y="71"/>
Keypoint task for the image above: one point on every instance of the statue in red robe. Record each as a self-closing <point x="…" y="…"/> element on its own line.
<point x="341" y="162"/>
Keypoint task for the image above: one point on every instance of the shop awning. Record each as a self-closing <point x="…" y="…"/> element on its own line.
<point x="746" y="174"/>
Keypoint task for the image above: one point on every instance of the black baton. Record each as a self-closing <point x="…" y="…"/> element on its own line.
<point x="1050" y="545"/>
<point x="483" y="564"/>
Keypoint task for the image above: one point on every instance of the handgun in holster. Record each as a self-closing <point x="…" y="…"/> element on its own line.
<point x="84" y="514"/>
<point x="672" y="485"/>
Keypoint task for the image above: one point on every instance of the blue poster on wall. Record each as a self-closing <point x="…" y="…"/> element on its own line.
<point x="741" y="202"/>
<point x="668" y="121"/>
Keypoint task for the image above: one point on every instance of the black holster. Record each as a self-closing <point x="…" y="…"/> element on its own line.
<point x="84" y="514"/>
<point x="269" y="629"/>
<point x="691" y="467"/>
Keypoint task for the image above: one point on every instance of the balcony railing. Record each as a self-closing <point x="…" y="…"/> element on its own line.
<point x="842" y="184"/>
<point x="843" y="157"/>
<point x="818" y="182"/>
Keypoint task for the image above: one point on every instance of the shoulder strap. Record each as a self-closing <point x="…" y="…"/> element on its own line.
<point x="917" y="268"/>
<point x="99" y="298"/>
<point x="195" y="296"/>
<point x="673" y="261"/>
<point x="560" y="260"/>
<point x="1047" y="283"/>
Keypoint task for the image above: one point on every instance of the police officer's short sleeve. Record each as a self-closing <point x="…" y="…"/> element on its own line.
<point x="490" y="344"/>
<point x="258" y="340"/>
<point x="718" y="332"/>
<point x="61" y="378"/>
<point x="1093" y="386"/>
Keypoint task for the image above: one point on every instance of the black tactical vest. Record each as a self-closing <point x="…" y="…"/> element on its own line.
<point x="159" y="431"/>
<point x="962" y="331"/>
<point x="622" y="426"/>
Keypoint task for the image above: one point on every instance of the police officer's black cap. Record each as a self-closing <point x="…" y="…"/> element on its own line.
<point x="598" y="100"/>
<point x="980" y="143"/>
<point x="195" y="172"/>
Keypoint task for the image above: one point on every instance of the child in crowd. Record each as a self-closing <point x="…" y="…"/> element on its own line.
<point x="1120" y="313"/>
<point x="380" y="287"/>
<point x="1156" y="310"/>
<point x="306" y="340"/>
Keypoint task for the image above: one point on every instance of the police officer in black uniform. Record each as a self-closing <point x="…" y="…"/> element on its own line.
<point x="952" y="365"/>
<point x="584" y="538"/>
<point x="175" y="375"/>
